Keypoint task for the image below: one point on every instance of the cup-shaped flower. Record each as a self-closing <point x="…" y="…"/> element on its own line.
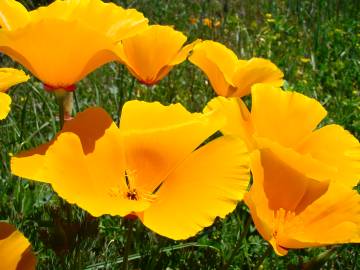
<point x="9" y="77"/>
<point x="292" y="210"/>
<point x="152" y="166"/>
<point x="63" y="42"/>
<point x="286" y="122"/>
<point x="230" y="76"/>
<point x="151" y="54"/>
<point x="15" y="249"/>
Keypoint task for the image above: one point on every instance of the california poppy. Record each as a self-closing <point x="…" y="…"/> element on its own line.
<point x="15" y="249"/>
<point x="151" y="54"/>
<point x="286" y="122"/>
<point x="63" y="42"/>
<point x="152" y="166"/>
<point x="229" y="76"/>
<point x="9" y="77"/>
<point x="292" y="210"/>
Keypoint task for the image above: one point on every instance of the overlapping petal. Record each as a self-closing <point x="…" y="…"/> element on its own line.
<point x="114" y="21"/>
<point x="229" y="76"/>
<point x="15" y="249"/>
<point x="63" y="42"/>
<point x="291" y="210"/>
<point x="5" y="102"/>
<point x="283" y="116"/>
<point x="207" y="184"/>
<point x="151" y="54"/>
<point x="285" y="122"/>
<point x="9" y="77"/>
<point x="89" y="127"/>
<point x="132" y="169"/>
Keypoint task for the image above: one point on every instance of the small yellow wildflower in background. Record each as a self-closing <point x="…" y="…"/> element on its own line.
<point x="193" y="20"/>
<point x="152" y="166"/>
<point x="305" y="60"/>
<point x="230" y="76"/>
<point x="9" y="77"/>
<point x="15" y="249"/>
<point x="207" y="22"/>
<point x="217" y="24"/>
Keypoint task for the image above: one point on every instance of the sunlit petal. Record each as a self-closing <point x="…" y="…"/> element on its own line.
<point x="285" y="117"/>
<point x="256" y="70"/>
<point x="13" y="15"/>
<point x="10" y="77"/>
<point x="157" y="138"/>
<point x="5" y="102"/>
<point x="64" y="64"/>
<point x="336" y="147"/>
<point x="89" y="126"/>
<point x="202" y="187"/>
<point x="150" y="51"/>
<point x="230" y="76"/>
<point x="238" y="122"/>
<point x="15" y="249"/>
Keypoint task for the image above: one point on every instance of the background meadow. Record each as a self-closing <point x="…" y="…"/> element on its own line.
<point x="315" y="43"/>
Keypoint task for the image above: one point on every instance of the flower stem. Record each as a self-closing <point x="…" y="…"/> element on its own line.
<point x="238" y="243"/>
<point x="65" y="102"/>
<point x="130" y="224"/>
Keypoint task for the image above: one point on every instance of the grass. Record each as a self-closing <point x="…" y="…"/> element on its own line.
<point x="315" y="43"/>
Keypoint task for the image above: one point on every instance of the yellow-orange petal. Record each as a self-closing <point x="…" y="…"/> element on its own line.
<point x="256" y="70"/>
<point x="332" y="219"/>
<point x="10" y="77"/>
<point x="336" y="147"/>
<point x="179" y="58"/>
<point x="108" y="18"/>
<point x="15" y="249"/>
<point x="5" y="102"/>
<point x="207" y="184"/>
<point x="284" y="117"/>
<point x="217" y="62"/>
<point x="157" y="138"/>
<point x="284" y="186"/>
<point x="238" y="122"/>
<point x="146" y="53"/>
<point x="305" y="164"/>
<point x="86" y="184"/>
<point x="58" y="52"/>
<point x="256" y="199"/>
<point x="13" y="15"/>
<point x="89" y="125"/>
<point x="116" y="22"/>
<point x="277" y="195"/>
<point x="184" y="53"/>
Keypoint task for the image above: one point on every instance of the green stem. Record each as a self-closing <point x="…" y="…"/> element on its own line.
<point x="65" y="103"/>
<point x="130" y="224"/>
<point x="238" y="243"/>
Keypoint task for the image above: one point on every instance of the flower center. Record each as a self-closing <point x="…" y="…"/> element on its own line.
<point x="132" y="195"/>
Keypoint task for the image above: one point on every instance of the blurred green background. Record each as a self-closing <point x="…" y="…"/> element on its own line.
<point x="316" y="44"/>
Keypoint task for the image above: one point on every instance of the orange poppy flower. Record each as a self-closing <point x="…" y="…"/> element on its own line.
<point x="229" y="76"/>
<point x="150" y="167"/>
<point x="9" y="77"/>
<point x="151" y="54"/>
<point x="286" y="122"/>
<point x="63" y="42"/>
<point x="15" y="249"/>
<point x="292" y="210"/>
